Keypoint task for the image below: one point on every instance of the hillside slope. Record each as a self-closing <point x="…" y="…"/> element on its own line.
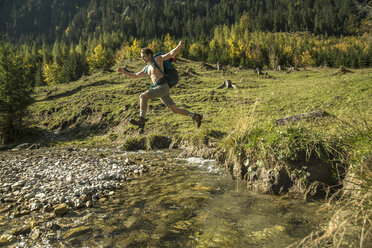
<point x="101" y="104"/>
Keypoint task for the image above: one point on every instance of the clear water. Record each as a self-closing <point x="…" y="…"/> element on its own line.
<point x="186" y="203"/>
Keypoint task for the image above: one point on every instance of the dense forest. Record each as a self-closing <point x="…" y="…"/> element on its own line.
<point x="70" y="20"/>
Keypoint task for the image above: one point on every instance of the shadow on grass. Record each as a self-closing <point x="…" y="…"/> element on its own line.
<point x="37" y="137"/>
<point x="79" y="88"/>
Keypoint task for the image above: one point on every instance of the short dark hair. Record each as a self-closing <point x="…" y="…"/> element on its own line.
<point x="147" y="51"/>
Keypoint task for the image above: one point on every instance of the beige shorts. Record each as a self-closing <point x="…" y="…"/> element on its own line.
<point x="161" y="91"/>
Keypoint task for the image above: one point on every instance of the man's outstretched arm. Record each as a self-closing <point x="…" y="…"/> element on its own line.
<point x="173" y="52"/>
<point x="139" y="74"/>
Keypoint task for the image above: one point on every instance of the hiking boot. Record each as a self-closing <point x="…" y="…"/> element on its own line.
<point x="140" y="122"/>
<point x="197" y="118"/>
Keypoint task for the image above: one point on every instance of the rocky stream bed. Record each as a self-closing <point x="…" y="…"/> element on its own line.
<point x="107" y="197"/>
<point x="56" y="182"/>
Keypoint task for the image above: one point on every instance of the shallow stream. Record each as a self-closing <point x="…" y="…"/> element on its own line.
<point x="183" y="203"/>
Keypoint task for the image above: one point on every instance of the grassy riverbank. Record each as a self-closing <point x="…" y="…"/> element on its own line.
<point x="304" y="156"/>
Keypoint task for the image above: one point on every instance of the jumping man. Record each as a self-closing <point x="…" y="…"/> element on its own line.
<point x="161" y="88"/>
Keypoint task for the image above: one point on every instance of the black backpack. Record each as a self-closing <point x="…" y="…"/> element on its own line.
<point x="170" y="72"/>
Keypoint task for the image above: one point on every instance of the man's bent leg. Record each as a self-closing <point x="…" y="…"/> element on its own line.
<point x="196" y="117"/>
<point x="178" y="110"/>
<point x="157" y="91"/>
<point x="143" y="107"/>
<point x="143" y="104"/>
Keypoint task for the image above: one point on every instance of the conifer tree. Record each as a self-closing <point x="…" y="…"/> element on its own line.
<point x="15" y="93"/>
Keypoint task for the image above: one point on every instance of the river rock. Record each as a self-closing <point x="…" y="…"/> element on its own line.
<point x="21" y="230"/>
<point x="21" y="213"/>
<point x="6" y="209"/>
<point x="52" y="225"/>
<point x="5" y="239"/>
<point x="85" y="197"/>
<point x="28" y="196"/>
<point x="35" y="234"/>
<point x="61" y="209"/>
<point x="89" y="204"/>
<point x="35" y="206"/>
<point x="130" y="222"/>
<point x="86" y="190"/>
<point x="18" y="185"/>
<point x="77" y="232"/>
<point x="77" y="203"/>
<point x="9" y="200"/>
<point x="48" y="208"/>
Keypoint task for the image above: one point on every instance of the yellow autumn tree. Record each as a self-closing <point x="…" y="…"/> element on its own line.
<point x="196" y="51"/>
<point x="306" y="59"/>
<point x="155" y="46"/>
<point x="135" y="49"/>
<point x="234" y="51"/>
<point x="100" y="59"/>
<point x="48" y="73"/>
<point x="169" y="43"/>
<point x="122" y="53"/>
<point x="54" y="74"/>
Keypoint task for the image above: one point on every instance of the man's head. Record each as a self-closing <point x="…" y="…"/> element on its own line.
<point x="146" y="54"/>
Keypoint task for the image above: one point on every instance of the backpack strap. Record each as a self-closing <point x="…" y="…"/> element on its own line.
<point x="157" y="66"/>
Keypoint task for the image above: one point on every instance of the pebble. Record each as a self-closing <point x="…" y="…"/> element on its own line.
<point x="61" y="209"/>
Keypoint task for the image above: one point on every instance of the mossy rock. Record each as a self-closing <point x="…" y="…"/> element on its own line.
<point x="134" y="143"/>
<point x="158" y="142"/>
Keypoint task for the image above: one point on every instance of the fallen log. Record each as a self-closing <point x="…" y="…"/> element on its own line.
<point x="293" y="118"/>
